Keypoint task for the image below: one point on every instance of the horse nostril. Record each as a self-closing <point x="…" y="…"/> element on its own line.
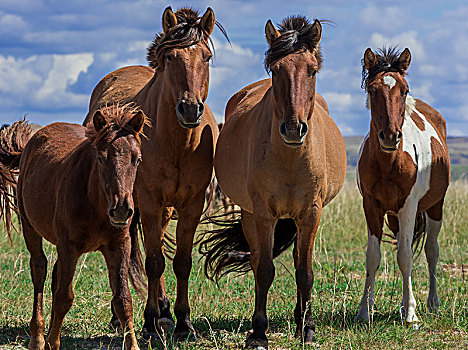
<point x="303" y="128"/>
<point x="399" y="135"/>
<point x="111" y="213"/>
<point x="130" y="213"/>
<point x="180" y="108"/>
<point x="282" y="128"/>
<point x="381" y="135"/>
<point x="201" y="109"/>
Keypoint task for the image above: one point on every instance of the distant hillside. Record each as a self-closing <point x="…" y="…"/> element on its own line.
<point x="458" y="149"/>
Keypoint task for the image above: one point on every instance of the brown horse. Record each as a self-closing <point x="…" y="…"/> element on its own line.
<point x="75" y="190"/>
<point x="403" y="172"/>
<point x="178" y="152"/>
<point x="289" y="162"/>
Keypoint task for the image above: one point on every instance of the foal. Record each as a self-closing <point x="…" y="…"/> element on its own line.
<point x="403" y="172"/>
<point x="75" y="190"/>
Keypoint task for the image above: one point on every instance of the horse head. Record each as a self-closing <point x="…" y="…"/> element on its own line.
<point x="385" y="83"/>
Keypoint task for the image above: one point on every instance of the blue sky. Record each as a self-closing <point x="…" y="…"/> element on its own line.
<point x="53" y="52"/>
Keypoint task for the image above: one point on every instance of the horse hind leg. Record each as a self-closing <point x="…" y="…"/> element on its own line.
<point x="38" y="264"/>
<point x="431" y="248"/>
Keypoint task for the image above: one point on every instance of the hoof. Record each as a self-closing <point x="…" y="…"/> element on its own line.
<point x="308" y="337"/>
<point x="412" y="325"/>
<point x="38" y="344"/>
<point x="150" y="336"/>
<point x="253" y="342"/>
<point x="114" y="324"/>
<point x="166" y="325"/>
<point x="185" y="336"/>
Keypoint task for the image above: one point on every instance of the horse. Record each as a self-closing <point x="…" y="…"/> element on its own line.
<point x="289" y="162"/>
<point x="403" y="172"/>
<point x="75" y="190"/>
<point x="178" y="152"/>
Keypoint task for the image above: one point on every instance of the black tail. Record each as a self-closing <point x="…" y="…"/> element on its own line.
<point x="226" y="250"/>
<point x="13" y="139"/>
<point x="136" y="269"/>
<point x="419" y="234"/>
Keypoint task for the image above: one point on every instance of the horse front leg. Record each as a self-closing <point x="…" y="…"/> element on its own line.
<point x="63" y="296"/>
<point x="117" y="259"/>
<point x="374" y="217"/>
<point x="303" y="261"/>
<point x="406" y="218"/>
<point x="259" y="231"/>
<point x="189" y="216"/>
<point x="154" y="266"/>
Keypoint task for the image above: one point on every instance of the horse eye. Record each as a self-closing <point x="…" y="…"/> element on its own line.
<point x="312" y="73"/>
<point x="100" y="160"/>
<point x="405" y="93"/>
<point x="169" y="58"/>
<point x="137" y="161"/>
<point x="208" y="59"/>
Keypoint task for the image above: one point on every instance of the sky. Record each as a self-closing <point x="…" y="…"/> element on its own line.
<point x="53" y="52"/>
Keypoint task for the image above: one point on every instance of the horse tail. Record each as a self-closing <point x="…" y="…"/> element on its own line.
<point x="13" y="139"/>
<point x="419" y="234"/>
<point x="136" y="269"/>
<point x="226" y="249"/>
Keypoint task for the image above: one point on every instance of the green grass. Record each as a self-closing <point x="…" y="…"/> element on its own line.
<point x="222" y="314"/>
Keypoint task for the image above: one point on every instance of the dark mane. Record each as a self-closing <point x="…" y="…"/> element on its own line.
<point x="186" y="32"/>
<point x="295" y="36"/>
<point x="387" y="61"/>
<point x="117" y="117"/>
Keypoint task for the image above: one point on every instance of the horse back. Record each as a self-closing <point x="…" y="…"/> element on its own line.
<point x="121" y="85"/>
<point x="43" y="167"/>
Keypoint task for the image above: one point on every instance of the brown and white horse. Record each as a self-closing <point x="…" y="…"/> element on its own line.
<point x="178" y="151"/>
<point x="403" y="172"/>
<point x="281" y="158"/>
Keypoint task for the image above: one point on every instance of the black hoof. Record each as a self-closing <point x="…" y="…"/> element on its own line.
<point x="254" y="341"/>
<point x="166" y="325"/>
<point x="114" y="324"/>
<point x="150" y="336"/>
<point x="185" y="336"/>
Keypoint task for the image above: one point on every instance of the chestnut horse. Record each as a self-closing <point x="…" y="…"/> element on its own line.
<point x="289" y="162"/>
<point x="178" y="152"/>
<point x="75" y="190"/>
<point x="403" y="172"/>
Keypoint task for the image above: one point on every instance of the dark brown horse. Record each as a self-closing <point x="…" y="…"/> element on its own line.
<point x="288" y="162"/>
<point x="75" y="190"/>
<point x="403" y="172"/>
<point x="178" y="152"/>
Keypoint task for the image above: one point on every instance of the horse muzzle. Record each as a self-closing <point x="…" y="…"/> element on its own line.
<point x="293" y="133"/>
<point x="389" y="143"/>
<point x="189" y="114"/>
<point x="120" y="215"/>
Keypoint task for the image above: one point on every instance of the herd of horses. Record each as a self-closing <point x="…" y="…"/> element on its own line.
<point x="279" y="157"/>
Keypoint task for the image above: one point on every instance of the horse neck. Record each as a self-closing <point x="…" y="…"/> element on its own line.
<point x="86" y="170"/>
<point x="160" y="107"/>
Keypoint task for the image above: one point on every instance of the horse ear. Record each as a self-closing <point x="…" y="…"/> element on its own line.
<point x="99" y="121"/>
<point x="369" y="59"/>
<point x="169" y="19"/>
<point x="270" y="32"/>
<point x="316" y="32"/>
<point x="404" y="60"/>
<point x="137" y="122"/>
<point x="208" y="21"/>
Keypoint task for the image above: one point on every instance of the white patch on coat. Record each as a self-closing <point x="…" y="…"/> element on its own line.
<point x="192" y="47"/>
<point x="389" y="81"/>
<point x="358" y="180"/>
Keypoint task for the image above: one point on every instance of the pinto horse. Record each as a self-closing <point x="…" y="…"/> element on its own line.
<point x="178" y="152"/>
<point x="75" y="190"/>
<point x="403" y="172"/>
<point x="289" y="162"/>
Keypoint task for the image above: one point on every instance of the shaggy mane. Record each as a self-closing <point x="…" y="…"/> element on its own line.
<point x="295" y="36"/>
<point x="387" y="61"/>
<point x="185" y="33"/>
<point x="117" y="117"/>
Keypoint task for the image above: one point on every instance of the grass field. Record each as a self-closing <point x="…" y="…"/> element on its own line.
<point x="222" y="314"/>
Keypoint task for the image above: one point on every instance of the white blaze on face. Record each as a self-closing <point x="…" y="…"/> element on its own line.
<point x="389" y="81"/>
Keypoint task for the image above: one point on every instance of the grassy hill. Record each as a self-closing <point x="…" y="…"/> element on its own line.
<point x="458" y="149"/>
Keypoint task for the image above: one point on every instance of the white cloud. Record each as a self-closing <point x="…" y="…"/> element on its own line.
<point x="406" y="39"/>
